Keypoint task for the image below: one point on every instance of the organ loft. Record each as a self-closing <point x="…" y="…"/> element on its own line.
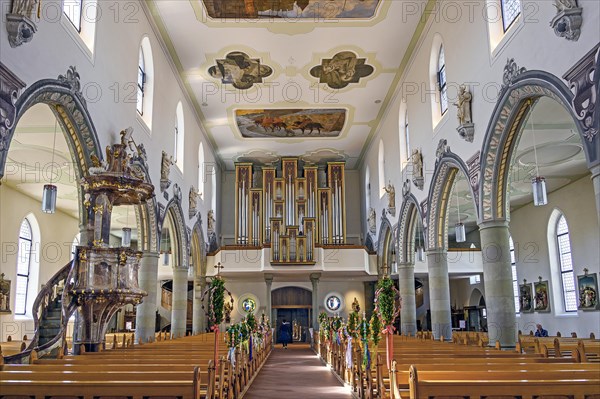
<point x="290" y="208"/>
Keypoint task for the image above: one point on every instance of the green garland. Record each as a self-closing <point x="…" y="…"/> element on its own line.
<point x="217" y="301"/>
<point x="251" y="322"/>
<point x="365" y="330"/>
<point x="336" y="323"/>
<point x="385" y="304"/>
<point x="353" y="321"/>
<point x="376" y="328"/>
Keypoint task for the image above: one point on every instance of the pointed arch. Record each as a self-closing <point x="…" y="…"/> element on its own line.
<point x="516" y="100"/>
<point x="385" y="245"/>
<point x="181" y="247"/>
<point x="410" y="215"/>
<point x="198" y="250"/>
<point x="446" y="168"/>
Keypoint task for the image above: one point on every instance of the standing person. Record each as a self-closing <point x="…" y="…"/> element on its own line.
<point x="540" y="332"/>
<point x="285" y="333"/>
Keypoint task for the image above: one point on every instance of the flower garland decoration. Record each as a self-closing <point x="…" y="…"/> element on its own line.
<point x="352" y="326"/>
<point x="386" y="309"/>
<point x="385" y="301"/>
<point x="376" y="328"/>
<point x="365" y="333"/>
<point x="216" y="301"/>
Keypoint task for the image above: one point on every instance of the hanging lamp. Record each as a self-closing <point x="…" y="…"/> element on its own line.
<point x="459" y="228"/>
<point x="420" y="249"/>
<point x="126" y="237"/>
<point x="50" y="190"/>
<point x="538" y="183"/>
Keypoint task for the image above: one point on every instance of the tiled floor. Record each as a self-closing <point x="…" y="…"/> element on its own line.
<point x="296" y="373"/>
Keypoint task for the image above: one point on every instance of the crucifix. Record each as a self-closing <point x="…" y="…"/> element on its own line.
<point x="219" y="266"/>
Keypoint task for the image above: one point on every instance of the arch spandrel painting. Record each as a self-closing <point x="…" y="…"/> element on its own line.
<point x="290" y="123"/>
<point x="291" y="9"/>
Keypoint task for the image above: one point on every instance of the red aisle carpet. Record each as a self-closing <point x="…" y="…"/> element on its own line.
<point x="296" y="373"/>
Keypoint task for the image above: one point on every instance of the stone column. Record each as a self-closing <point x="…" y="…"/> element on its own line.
<point x="314" y="279"/>
<point x="439" y="293"/>
<point x="498" y="283"/>
<point x="198" y="324"/>
<point x="145" y="318"/>
<point x="268" y="305"/>
<point x="179" y="302"/>
<point x="408" y="311"/>
<point x="596" y="182"/>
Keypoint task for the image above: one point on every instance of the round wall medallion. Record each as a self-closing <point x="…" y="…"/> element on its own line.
<point x="248" y="303"/>
<point x="334" y="302"/>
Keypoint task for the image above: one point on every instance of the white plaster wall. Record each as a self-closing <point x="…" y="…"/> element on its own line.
<point x="531" y="43"/>
<point x="114" y="64"/>
<point x="54" y="251"/>
<point x="529" y="227"/>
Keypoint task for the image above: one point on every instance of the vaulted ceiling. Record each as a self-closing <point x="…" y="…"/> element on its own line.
<point x="268" y="75"/>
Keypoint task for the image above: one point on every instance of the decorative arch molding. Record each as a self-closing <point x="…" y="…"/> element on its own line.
<point x="64" y="97"/>
<point x="146" y="214"/>
<point x="199" y="244"/>
<point x="410" y="214"/>
<point x="520" y="92"/>
<point x="181" y="238"/>
<point x="370" y="243"/>
<point x="385" y="238"/>
<point x="447" y="166"/>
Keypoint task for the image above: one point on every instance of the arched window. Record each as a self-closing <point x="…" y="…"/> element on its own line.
<point x="511" y="9"/>
<point x="441" y="78"/>
<point x="141" y="82"/>
<point x="23" y="266"/>
<point x="178" y="150"/>
<point x="513" y="263"/>
<point x="145" y="82"/>
<point x="381" y="169"/>
<point x="201" y="169"/>
<point x="72" y="9"/>
<point x="566" y="264"/>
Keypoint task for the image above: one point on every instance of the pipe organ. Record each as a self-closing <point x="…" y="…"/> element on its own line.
<point x="288" y="211"/>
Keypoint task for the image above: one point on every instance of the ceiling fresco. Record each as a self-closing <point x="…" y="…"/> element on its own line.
<point x="291" y="9"/>
<point x="314" y="122"/>
<point x="344" y="59"/>
<point x="341" y="70"/>
<point x="239" y="70"/>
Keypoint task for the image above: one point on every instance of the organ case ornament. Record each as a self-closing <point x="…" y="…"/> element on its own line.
<point x="290" y="213"/>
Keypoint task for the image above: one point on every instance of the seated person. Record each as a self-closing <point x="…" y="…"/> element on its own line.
<point x="540" y="332"/>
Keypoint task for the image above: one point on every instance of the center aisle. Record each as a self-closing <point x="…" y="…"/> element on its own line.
<point x="296" y="373"/>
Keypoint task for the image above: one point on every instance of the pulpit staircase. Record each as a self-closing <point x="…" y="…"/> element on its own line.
<point x="167" y="301"/>
<point x="51" y="312"/>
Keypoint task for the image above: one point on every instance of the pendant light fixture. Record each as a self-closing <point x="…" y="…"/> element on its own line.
<point x="538" y="183"/>
<point x="50" y="191"/>
<point x="420" y="249"/>
<point x="459" y="228"/>
<point x="126" y="237"/>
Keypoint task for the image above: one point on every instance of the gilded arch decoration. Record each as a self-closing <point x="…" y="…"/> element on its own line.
<point x="447" y="166"/>
<point x="520" y="92"/>
<point x="199" y="244"/>
<point x="410" y="214"/>
<point x="385" y="238"/>
<point x="182" y="242"/>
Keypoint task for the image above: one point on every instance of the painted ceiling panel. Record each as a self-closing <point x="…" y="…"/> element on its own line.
<point x="292" y="62"/>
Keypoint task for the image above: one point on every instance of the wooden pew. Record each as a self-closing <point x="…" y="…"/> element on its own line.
<point x="189" y="388"/>
<point x="477" y="384"/>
